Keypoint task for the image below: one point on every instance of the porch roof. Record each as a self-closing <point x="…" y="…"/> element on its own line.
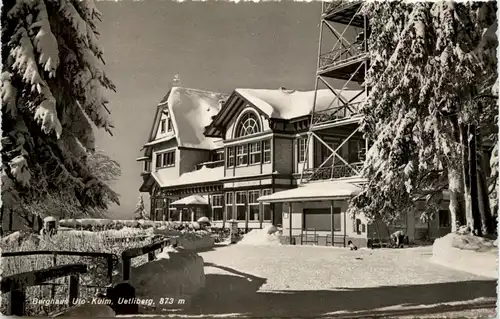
<point x="191" y="200"/>
<point x="327" y="190"/>
<point x="203" y="175"/>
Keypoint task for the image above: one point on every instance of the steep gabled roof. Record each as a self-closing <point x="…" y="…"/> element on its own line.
<point x="283" y="104"/>
<point x="190" y="110"/>
<point x="288" y="104"/>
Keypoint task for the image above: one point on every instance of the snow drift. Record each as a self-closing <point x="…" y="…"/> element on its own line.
<point x="87" y="311"/>
<point x="176" y="274"/>
<point x="268" y="236"/>
<point x="467" y="253"/>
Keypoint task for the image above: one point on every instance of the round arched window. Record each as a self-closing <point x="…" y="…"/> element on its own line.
<point x="249" y="124"/>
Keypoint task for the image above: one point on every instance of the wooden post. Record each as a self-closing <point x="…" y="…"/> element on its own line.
<point x="151" y="256"/>
<point x="73" y="288"/>
<point x="345" y="227"/>
<point x="16" y="303"/>
<point x="332" y="222"/>
<point x="54" y="263"/>
<point x="110" y="268"/>
<point x="290" y="221"/>
<point x="126" y="268"/>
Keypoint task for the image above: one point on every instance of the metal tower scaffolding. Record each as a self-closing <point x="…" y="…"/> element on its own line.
<point x="344" y="24"/>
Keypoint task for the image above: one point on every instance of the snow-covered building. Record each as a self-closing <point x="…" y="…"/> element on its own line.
<point x="179" y="160"/>
<point x="246" y="157"/>
<point x="329" y="158"/>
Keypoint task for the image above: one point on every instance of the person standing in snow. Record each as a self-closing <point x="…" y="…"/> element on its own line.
<point x="398" y="237"/>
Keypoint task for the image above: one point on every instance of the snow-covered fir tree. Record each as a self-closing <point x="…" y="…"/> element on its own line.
<point x="140" y="209"/>
<point x="429" y="62"/>
<point x="52" y="89"/>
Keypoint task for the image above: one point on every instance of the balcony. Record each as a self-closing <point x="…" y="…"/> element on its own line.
<point x="337" y="114"/>
<point x="344" y="62"/>
<point x="344" y="12"/>
<point x="332" y="172"/>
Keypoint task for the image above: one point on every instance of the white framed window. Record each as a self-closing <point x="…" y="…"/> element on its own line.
<point x="217" y="207"/>
<point x="163" y="125"/>
<point x="249" y="124"/>
<point x="147" y="166"/>
<point x="267" y="151"/>
<point x="159" y="162"/>
<point x="229" y="205"/>
<point x="267" y="209"/>
<point x="242" y="155"/>
<point x="253" y="206"/>
<point x="168" y="159"/>
<point x="241" y="205"/>
<point x="302" y="143"/>
<point x="230" y="157"/>
<point x="255" y="152"/>
<point x="169" y="125"/>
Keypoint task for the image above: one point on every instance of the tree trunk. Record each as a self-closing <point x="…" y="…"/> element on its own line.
<point x="457" y="200"/>
<point x="473" y="178"/>
<point x="487" y="222"/>
<point x="466" y="175"/>
<point x="1" y="216"/>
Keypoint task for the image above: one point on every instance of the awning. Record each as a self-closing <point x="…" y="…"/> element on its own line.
<point x="314" y="191"/>
<point x="190" y="200"/>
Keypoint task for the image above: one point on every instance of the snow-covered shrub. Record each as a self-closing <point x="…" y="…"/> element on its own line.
<point x="466" y="253"/>
<point x="176" y="274"/>
<point x="194" y="240"/>
<point x="266" y="236"/>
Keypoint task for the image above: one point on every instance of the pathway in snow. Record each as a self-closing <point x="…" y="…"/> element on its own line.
<point x="313" y="281"/>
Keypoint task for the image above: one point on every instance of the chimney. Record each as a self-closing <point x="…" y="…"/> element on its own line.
<point x="221" y="103"/>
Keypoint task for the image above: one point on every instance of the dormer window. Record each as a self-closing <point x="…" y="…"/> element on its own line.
<point x="163" y="125"/>
<point x="249" y="124"/>
<point x="166" y="122"/>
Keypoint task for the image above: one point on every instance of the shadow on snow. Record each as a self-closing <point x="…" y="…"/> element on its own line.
<point x="238" y="294"/>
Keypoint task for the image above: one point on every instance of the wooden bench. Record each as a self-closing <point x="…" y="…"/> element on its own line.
<point x="309" y="236"/>
<point x="336" y="240"/>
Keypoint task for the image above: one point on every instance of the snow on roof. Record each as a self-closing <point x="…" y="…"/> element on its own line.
<point x="202" y="175"/>
<point x="289" y="104"/>
<point x="326" y="190"/>
<point x="191" y="111"/>
<point x="160" y="140"/>
<point x="191" y="200"/>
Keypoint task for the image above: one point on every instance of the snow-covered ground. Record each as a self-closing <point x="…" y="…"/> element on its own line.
<point x="467" y="253"/>
<point x="314" y="281"/>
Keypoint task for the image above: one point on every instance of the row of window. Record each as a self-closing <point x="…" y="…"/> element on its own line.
<point x="249" y="154"/>
<point x="256" y="153"/>
<point x="165" y="159"/>
<point x="245" y="207"/>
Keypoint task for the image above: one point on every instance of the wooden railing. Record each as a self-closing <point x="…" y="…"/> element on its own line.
<point x="16" y="284"/>
<point x="335" y="114"/>
<point x="330" y="172"/>
<point x="342" y="54"/>
<point x="150" y="249"/>
<point x="336" y="6"/>
<point x="111" y="260"/>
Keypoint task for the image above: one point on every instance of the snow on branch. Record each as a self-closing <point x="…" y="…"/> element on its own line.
<point x="8" y="95"/>
<point x="45" y="41"/>
<point x="25" y="64"/>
